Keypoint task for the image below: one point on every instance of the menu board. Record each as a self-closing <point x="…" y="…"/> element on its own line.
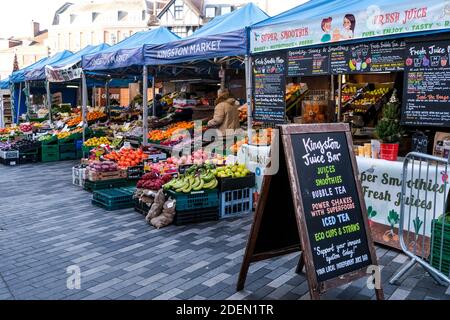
<point x="350" y="59"/>
<point x="382" y="56"/>
<point x="331" y="205"/>
<point x="426" y="94"/>
<point x="307" y="62"/>
<point x="387" y="56"/>
<point x="269" y="72"/>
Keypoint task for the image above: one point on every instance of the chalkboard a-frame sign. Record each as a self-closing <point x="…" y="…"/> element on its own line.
<point x="324" y="216"/>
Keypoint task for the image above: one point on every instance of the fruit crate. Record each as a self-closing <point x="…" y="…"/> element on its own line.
<point x="78" y="176"/>
<point x="64" y="156"/>
<point x="114" y="199"/>
<point x="50" y="149"/>
<point x="196" y="216"/>
<point x="195" y="200"/>
<point x="87" y="149"/>
<point x="229" y="184"/>
<point x="52" y="141"/>
<point x="30" y="148"/>
<point x="9" y="162"/>
<point x="135" y="173"/>
<point x="440" y="259"/>
<point x="49" y="156"/>
<point x="78" y="144"/>
<point x="67" y="147"/>
<point x="104" y="184"/>
<point x="236" y="203"/>
<point x="101" y="176"/>
<point x="28" y="157"/>
<point x="141" y="207"/>
<point x="14" y="154"/>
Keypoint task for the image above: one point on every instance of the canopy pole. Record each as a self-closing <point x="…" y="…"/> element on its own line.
<point x="340" y="98"/>
<point x="84" y="96"/>
<point x="49" y="101"/>
<point x="20" y="101"/>
<point x="145" y="106"/>
<point x="333" y="96"/>
<point x="153" y="95"/>
<point x="93" y="97"/>
<point x="248" y="85"/>
<point x="27" y="101"/>
<point x="222" y="77"/>
<point x="108" y="102"/>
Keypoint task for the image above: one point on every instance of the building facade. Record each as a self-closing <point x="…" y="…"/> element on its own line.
<point x="99" y="21"/>
<point x="28" y="49"/>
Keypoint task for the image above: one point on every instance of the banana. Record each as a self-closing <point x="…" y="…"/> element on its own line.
<point x="200" y="186"/>
<point x="187" y="189"/>
<point x="208" y="185"/>
<point x="216" y="183"/>
<point x="197" y="183"/>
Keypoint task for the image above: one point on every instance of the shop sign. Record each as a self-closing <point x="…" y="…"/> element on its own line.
<point x="323" y="214"/>
<point x="382" y="185"/>
<point x="381" y="56"/>
<point x="63" y="74"/>
<point x="353" y="21"/>
<point x="426" y="93"/>
<point x="269" y="83"/>
<point x="305" y="62"/>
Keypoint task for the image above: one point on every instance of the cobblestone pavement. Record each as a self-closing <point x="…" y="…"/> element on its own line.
<point x="47" y="225"/>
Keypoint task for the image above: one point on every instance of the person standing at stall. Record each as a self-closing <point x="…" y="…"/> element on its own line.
<point x="226" y="113"/>
<point x="226" y="117"/>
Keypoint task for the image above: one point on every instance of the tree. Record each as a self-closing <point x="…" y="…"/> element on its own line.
<point x="389" y="129"/>
<point x="15" y="63"/>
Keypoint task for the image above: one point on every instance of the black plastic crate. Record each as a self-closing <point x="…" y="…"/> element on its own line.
<point x="196" y="216"/>
<point x="9" y="162"/>
<point x="229" y="184"/>
<point x="72" y="155"/>
<point x="141" y="207"/>
<point x="67" y="147"/>
<point x="104" y="184"/>
<point x="25" y="158"/>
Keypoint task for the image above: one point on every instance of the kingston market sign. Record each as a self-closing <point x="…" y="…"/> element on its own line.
<point x="355" y="23"/>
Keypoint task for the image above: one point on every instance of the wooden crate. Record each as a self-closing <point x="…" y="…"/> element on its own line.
<point x="101" y="176"/>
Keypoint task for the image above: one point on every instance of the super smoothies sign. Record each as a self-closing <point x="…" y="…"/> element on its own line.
<point x="351" y="21"/>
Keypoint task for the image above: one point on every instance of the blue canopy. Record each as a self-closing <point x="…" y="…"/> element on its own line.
<point x="320" y="22"/>
<point x="223" y="36"/>
<point x="76" y="57"/>
<point x="37" y="72"/>
<point x="127" y="53"/>
<point x="5" y="84"/>
<point x="19" y="76"/>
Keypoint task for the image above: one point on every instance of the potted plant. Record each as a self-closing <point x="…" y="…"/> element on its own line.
<point x="389" y="130"/>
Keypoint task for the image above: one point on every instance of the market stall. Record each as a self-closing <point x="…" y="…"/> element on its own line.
<point x="382" y="72"/>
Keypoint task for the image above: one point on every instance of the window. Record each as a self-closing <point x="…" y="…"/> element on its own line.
<point x="113" y="39"/>
<point x="144" y="15"/>
<point x="210" y="12"/>
<point x="72" y="18"/>
<point x="121" y="15"/>
<point x="180" y="31"/>
<point x="94" y="16"/>
<point x="225" y="10"/>
<point x="179" y="8"/>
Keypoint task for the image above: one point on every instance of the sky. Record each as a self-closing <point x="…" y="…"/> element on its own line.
<point x="16" y="15"/>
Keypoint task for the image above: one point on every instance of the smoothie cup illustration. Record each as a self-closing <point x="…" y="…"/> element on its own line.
<point x="358" y="64"/>
<point x="444" y="61"/>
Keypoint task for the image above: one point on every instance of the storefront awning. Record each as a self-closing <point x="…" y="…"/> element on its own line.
<point x="319" y="22"/>
<point x="5" y="84"/>
<point x="127" y="53"/>
<point x="223" y="36"/>
<point x="19" y="76"/>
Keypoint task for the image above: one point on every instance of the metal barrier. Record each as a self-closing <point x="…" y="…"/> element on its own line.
<point x="424" y="236"/>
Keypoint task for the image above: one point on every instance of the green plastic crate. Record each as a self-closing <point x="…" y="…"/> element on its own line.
<point x="113" y="207"/>
<point x="195" y="200"/>
<point x="63" y="156"/>
<point x="52" y="149"/>
<point x="67" y="147"/>
<point x="111" y="197"/>
<point x="106" y="184"/>
<point x="50" y="157"/>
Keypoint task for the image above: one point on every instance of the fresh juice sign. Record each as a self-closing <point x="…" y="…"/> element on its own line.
<point x="352" y="22"/>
